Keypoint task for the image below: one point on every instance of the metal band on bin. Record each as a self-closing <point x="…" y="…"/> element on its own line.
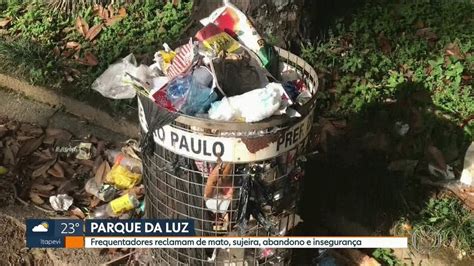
<point x="232" y="149"/>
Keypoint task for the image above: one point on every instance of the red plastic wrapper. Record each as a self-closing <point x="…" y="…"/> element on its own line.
<point x="216" y="39"/>
<point x="182" y="61"/>
<point x="160" y="98"/>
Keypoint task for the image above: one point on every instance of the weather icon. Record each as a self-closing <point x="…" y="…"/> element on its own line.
<point x="41" y="228"/>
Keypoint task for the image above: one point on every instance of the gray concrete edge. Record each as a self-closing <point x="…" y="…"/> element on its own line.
<point x="77" y="108"/>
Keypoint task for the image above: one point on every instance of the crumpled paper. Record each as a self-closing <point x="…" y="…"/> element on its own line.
<point x="467" y="176"/>
<point x="61" y="202"/>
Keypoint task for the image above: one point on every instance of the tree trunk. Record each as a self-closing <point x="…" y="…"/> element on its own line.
<point x="276" y="20"/>
<point x="285" y="23"/>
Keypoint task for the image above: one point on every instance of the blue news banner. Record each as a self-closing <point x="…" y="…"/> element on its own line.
<point x="53" y="233"/>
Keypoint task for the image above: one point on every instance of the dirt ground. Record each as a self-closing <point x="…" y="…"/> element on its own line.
<point x="14" y="251"/>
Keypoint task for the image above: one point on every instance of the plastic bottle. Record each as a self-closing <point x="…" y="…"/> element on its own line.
<point x="118" y="157"/>
<point x="104" y="192"/>
<point x="116" y="207"/>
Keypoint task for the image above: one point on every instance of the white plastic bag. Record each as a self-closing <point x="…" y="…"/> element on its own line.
<point x="114" y="83"/>
<point x="252" y="106"/>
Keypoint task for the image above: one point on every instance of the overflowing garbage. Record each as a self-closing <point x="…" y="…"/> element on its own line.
<point x="227" y="72"/>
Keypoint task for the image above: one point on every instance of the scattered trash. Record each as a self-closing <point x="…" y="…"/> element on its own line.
<point x="84" y="152"/>
<point x="61" y="202"/>
<point x="231" y="20"/>
<point x="227" y="73"/>
<point x="253" y="196"/>
<point x="122" y="177"/>
<point x="217" y="40"/>
<point x="116" y="207"/>
<point x="238" y="73"/>
<point x="104" y="192"/>
<point x="218" y="205"/>
<point x="223" y="74"/>
<point x="126" y="171"/>
<point x="185" y="57"/>
<point x="119" y="157"/>
<point x="190" y="96"/>
<point x="213" y="179"/>
<point x="447" y="174"/>
<point x="401" y="128"/>
<point x="114" y="82"/>
<point x="252" y="106"/>
<point x="467" y="175"/>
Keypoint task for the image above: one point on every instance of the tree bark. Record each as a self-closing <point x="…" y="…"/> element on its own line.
<point x="285" y="23"/>
<point x="276" y="20"/>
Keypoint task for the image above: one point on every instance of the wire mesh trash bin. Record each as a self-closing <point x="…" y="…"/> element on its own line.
<point x="231" y="178"/>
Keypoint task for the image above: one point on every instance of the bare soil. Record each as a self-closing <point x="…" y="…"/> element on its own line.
<point x="13" y="250"/>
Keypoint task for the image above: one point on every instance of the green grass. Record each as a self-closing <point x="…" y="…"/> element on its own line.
<point x="410" y="62"/>
<point x="386" y="44"/>
<point x="447" y="222"/>
<point x="29" y="44"/>
<point x="386" y="257"/>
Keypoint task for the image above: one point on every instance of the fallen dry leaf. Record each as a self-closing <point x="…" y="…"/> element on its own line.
<point x="77" y="212"/>
<point x="23" y="138"/>
<point x="94" y="202"/>
<point x="35" y="198"/>
<point x="89" y="59"/>
<point x="68" y="169"/>
<point x="97" y="162"/>
<point x="56" y="171"/>
<point x="67" y="187"/>
<point x="42" y="188"/>
<point x="30" y="146"/>
<point x="453" y="50"/>
<point x="82" y="26"/>
<point x="384" y="44"/>
<point x="73" y="45"/>
<point x="100" y="174"/>
<point x="88" y="163"/>
<point x="111" y="21"/>
<point x="437" y="157"/>
<point x="8" y="156"/>
<point x="94" y="31"/>
<point x="4" y="22"/>
<point x="44" y="155"/>
<point x="122" y="12"/>
<point x="43" y="168"/>
<point x="100" y="147"/>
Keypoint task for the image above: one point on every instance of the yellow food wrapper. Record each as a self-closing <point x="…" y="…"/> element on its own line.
<point x="121" y="204"/>
<point x="167" y="56"/>
<point x="122" y="178"/>
<point x="216" y="39"/>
